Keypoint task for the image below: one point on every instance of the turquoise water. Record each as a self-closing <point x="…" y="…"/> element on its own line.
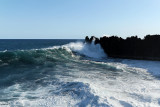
<point x="69" y="73"/>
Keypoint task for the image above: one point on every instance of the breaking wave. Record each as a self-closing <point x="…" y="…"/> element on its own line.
<point x="38" y="56"/>
<point x="70" y="75"/>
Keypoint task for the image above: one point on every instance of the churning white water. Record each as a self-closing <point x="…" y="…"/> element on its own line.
<point x="76" y="81"/>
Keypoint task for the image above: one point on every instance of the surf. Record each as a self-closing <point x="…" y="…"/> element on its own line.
<point x="76" y="74"/>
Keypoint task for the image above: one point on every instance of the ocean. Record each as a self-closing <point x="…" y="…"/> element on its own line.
<point x="70" y="73"/>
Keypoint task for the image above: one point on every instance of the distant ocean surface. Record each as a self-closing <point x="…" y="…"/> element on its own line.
<point x="70" y="73"/>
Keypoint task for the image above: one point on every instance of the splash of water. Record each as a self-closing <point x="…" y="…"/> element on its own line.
<point x="89" y="50"/>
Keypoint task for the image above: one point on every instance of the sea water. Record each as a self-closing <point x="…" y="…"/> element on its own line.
<point x="70" y="73"/>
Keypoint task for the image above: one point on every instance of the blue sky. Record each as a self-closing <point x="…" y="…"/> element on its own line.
<point x="66" y="19"/>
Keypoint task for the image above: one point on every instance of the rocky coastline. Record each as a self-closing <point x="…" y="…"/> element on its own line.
<point x="132" y="47"/>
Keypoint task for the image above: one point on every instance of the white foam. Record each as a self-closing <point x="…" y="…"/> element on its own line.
<point x="134" y="87"/>
<point x="99" y="86"/>
<point x="152" y="67"/>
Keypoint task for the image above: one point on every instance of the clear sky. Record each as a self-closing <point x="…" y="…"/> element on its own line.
<point x="65" y="19"/>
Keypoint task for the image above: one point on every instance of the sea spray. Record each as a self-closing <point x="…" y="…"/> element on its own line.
<point x="90" y="50"/>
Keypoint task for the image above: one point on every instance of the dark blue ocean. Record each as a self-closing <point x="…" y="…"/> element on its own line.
<point x="71" y="73"/>
<point x="24" y="44"/>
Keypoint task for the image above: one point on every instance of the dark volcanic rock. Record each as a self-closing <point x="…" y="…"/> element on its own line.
<point x="93" y="38"/>
<point x="131" y="47"/>
<point x="87" y="40"/>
